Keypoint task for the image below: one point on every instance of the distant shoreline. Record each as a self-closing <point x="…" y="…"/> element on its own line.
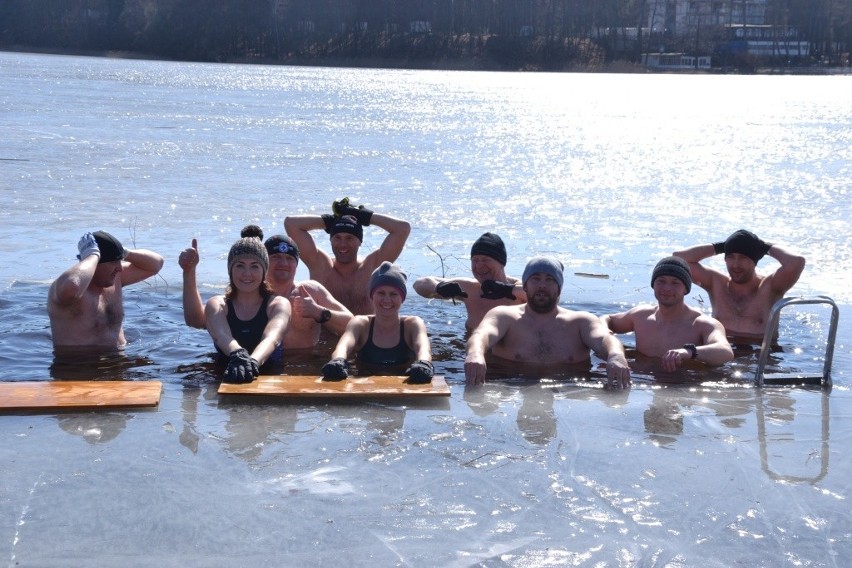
<point x="444" y="64"/>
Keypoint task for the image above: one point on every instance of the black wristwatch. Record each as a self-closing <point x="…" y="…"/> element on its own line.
<point x="324" y="316"/>
<point x="692" y="349"/>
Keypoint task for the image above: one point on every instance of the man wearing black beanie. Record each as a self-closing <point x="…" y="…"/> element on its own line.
<point x="671" y="330"/>
<point x="742" y="298"/>
<point x="85" y="302"/>
<point x="344" y="274"/>
<point x="489" y="287"/>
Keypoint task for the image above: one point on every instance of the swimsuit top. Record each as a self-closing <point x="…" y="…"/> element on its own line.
<point x="249" y="333"/>
<point x="371" y="354"/>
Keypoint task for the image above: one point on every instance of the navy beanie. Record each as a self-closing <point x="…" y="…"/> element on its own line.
<point x="547" y="265"/>
<point x="673" y="266"/>
<point x="281" y="243"/>
<point x="490" y="245"/>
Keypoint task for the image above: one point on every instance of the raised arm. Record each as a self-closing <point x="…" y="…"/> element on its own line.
<point x="193" y="306"/>
<point x="788" y="274"/>
<point x="138" y="265"/>
<point x="70" y="286"/>
<point x="398" y="231"/>
<point x="597" y="337"/>
<point x="701" y="275"/>
<point x="311" y="300"/>
<point x="298" y="228"/>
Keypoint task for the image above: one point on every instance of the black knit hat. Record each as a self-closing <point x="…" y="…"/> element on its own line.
<point x="490" y="245"/>
<point x="347" y="224"/>
<point x="110" y="247"/>
<point x="388" y="274"/>
<point x="746" y="243"/>
<point x="673" y="266"/>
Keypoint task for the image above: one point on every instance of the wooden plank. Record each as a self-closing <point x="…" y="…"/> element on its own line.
<point x="312" y="386"/>
<point x="52" y="395"/>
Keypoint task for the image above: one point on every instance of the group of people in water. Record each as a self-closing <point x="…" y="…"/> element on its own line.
<point x="264" y="312"/>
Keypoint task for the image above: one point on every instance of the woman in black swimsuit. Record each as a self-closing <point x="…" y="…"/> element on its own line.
<point x="384" y="342"/>
<point x="247" y="324"/>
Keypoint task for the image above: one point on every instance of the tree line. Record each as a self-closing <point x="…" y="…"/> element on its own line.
<point x="507" y="34"/>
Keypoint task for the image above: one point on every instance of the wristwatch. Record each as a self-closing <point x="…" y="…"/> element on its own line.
<point x="325" y="315"/>
<point x="692" y="349"/>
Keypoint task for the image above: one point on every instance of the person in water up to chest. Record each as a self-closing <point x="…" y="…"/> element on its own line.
<point x="671" y="330"/>
<point x="385" y="342"/>
<point x="248" y="322"/>
<point x="85" y="302"/>
<point x="743" y="298"/>
<point x="345" y="275"/>
<point x="490" y="286"/>
<point x="542" y="333"/>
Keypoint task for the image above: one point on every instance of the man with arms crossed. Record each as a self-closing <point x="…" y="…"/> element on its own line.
<point x="346" y="276"/>
<point x="489" y="287"/>
<point x="85" y="303"/>
<point x="312" y="305"/>
<point x="672" y="330"/>
<point x="540" y="332"/>
<point x="742" y="299"/>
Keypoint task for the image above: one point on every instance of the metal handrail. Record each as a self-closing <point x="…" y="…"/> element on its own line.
<point x="772" y="326"/>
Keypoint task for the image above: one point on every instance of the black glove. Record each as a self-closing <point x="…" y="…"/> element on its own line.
<point x="420" y="372"/>
<point x="328" y="221"/>
<point x="765" y="247"/>
<point x="493" y="290"/>
<point x="242" y="368"/>
<point x="450" y="290"/>
<point x="719" y="247"/>
<point x="335" y="370"/>
<point x="361" y="213"/>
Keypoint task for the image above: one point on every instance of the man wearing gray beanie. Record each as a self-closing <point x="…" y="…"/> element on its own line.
<point x="671" y="330"/>
<point x="542" y="334"/>
<point x="490" y="286"/>
<point x="742" y="298"/>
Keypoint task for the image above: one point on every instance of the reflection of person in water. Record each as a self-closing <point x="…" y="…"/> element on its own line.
<point x="94" y="427"/>
<point x="93" y="365"/>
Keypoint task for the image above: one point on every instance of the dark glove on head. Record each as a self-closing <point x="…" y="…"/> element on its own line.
<point x="361" y="213"/>
<point x="239" y="369"/>
<point x="335" y="370"/>
<point x="420" y="372"/>
<point x="719" y="247"/>
<point x="450" y="290"/>
<point x="493" y="290"/>
<point x="328" y="221"/>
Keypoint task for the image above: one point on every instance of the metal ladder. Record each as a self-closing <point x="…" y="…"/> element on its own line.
<point x="797" y="378"/>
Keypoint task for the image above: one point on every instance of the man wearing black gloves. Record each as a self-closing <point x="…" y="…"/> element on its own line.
<point x="742" y="299"/>
<point x="489" y="287"/>
<point x="346" y="276"/>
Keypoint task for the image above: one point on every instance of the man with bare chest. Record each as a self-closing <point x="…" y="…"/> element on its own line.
<point x="742" y="298"/>
<point x="85" y="302"/>
<point x="345" y="275"/>
<point x="490" y="286"/>
<point x="541" y="333"/>
<point x="671" y="330"/>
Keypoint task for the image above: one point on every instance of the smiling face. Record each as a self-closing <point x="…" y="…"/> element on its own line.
<point x="246" y="273"/>
<point x="345" y="247"/>
<point x="669" y="290"/>
<point x="741" y="268"/>
<point x="542" y="292"/>
<point x="386" y="300"/>
<point x="486" y="268"/>
<point x="282" y="268"/>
